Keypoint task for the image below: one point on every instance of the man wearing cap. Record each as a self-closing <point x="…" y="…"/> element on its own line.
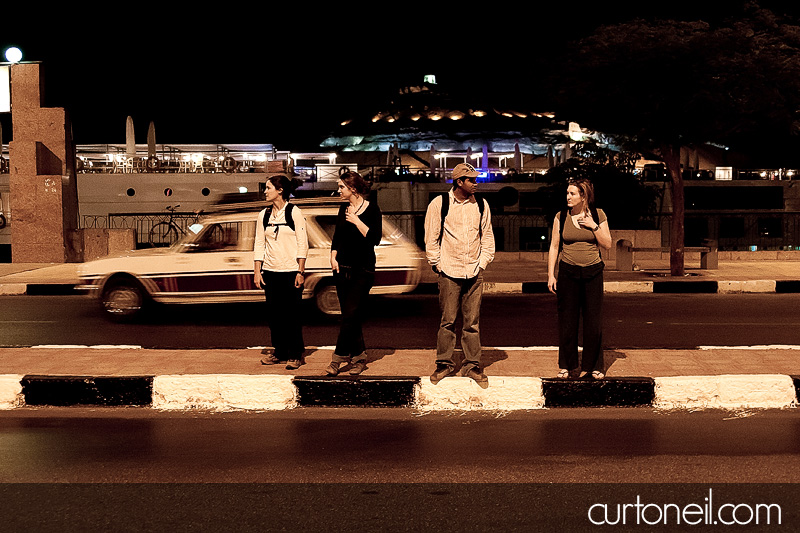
<point x="459" y="244"/>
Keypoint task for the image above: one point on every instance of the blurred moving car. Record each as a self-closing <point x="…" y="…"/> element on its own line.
<point x="213" y="263"/>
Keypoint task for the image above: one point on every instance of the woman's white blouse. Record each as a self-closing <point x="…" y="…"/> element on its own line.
<point x="279" y="247"/>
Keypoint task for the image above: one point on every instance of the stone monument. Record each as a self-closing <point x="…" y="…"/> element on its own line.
<point x="44" y="194"/>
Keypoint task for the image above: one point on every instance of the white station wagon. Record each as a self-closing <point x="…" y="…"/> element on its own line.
<point x="213" y="263"/>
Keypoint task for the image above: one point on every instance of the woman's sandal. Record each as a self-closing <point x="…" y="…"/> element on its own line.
<point x="598" y="375"/>
<point x="563" y="373"/>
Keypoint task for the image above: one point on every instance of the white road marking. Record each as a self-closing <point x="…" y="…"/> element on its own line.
<point x="755" y="347"/>
<point x="92" y="347"/>
<point x="28" y="321"/>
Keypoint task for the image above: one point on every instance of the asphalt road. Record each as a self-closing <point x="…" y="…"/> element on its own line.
<point x="384" y="469"/>
<point x="398" y="445"/>
<point x="631" y="321"/>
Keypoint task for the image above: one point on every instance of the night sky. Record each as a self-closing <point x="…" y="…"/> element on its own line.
<point x="288" y="75"/>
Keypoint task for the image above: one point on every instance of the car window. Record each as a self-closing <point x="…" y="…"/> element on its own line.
<point x="220" y="237"/>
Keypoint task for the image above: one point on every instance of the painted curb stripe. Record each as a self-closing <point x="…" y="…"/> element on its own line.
<point x="535" y="287"/>
<point x="224" y="392"/>
<point x="51" y="289"/>
<point x="85" y="390"/>
<point x="684" y="287"/>
<point x="354" y="391"/>
<point x="726" y="391"/>
<point x="784" y="286"/>
<point x="618" y="392"/>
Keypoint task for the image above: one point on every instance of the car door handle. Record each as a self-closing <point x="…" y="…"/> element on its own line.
<point x="232" y="260"/>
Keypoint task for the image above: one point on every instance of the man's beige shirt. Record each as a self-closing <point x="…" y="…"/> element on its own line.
<point x="468" y="240"/>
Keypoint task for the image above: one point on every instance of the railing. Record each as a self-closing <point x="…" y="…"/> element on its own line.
<point x="141" y="222"/>
<point x="531" y="232"/>
<point x="511" y="232"/>
<point x="737" y="174"/>
<point x="141" y="165"/>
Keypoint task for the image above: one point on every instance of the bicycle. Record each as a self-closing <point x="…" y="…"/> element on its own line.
<point x="167" y="232"/>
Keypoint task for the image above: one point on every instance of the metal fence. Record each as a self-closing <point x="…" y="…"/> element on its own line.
<point x="765" y="230"/>
<point x="143" y="223"/>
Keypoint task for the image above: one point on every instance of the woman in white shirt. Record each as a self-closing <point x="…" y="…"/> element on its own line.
<point x="280" y="250"/>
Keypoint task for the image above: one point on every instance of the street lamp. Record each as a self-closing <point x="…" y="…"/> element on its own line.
<point x="13" y="54"/>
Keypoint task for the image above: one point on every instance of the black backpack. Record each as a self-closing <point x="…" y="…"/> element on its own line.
<point x="563" y="219"/>
<point x="446" y="209"/>
<point x="289" y="220"/>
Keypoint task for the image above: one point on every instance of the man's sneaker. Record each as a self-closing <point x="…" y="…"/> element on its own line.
<point x="293" y="364"/>
<point x="473" y="372"/>
<point x="333" y="368"/>
<point x="270" y="360"/>
<point x="441" y="372"/>
<point x="357" y="368"/>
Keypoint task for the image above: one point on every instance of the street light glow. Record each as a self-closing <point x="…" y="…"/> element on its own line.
<point x="13" y="55"/>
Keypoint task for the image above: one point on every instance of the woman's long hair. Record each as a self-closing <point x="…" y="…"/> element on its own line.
<point x="355" y="182"/>
<point x="285" y="185"/>
<point x="586" y="190"/>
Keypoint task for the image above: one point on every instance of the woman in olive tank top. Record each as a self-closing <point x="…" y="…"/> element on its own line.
<point x="579" y="284"/>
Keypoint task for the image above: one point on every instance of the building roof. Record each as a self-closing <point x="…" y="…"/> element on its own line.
<point x="417" y="117"/>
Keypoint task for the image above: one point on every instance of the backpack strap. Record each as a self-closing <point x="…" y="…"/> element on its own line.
<point x="289" y="220"/>
<point x="445" y="209"/>
<point x="596" y="218"/>
<point x="481" y="208"/>
<point x="267" y="213"/>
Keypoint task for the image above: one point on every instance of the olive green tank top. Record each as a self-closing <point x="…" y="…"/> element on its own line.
<point x="580" y="245"/>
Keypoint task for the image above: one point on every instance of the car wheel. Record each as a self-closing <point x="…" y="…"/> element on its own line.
<point x="327" y="300"/>
<point x="123" y="300"/>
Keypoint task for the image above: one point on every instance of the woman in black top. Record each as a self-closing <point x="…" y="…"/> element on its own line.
<point x="358" y="232"/>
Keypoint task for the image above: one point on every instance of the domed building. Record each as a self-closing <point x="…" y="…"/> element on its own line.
<point x="425" y="128"/>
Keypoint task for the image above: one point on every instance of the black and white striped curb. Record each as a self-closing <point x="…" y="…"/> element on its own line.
<point x="656" y="287"/>
<point x="525" y="287"/>
<point x="231" y="392"/>
<point x="38" y="289"/>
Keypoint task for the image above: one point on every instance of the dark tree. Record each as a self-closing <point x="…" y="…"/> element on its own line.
<point x="628" y="202"/>
<point x="667" y="84"/>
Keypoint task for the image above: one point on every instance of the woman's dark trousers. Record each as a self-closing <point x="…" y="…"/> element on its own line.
<point x="580" y="293"/>
<point x="352" y="287"/>
<point x="284" y="314"/>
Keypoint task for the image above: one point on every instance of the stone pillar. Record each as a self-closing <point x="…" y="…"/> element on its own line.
<point x="44" y="194"/>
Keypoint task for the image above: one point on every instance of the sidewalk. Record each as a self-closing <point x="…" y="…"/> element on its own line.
<point x="519" y="378"/>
